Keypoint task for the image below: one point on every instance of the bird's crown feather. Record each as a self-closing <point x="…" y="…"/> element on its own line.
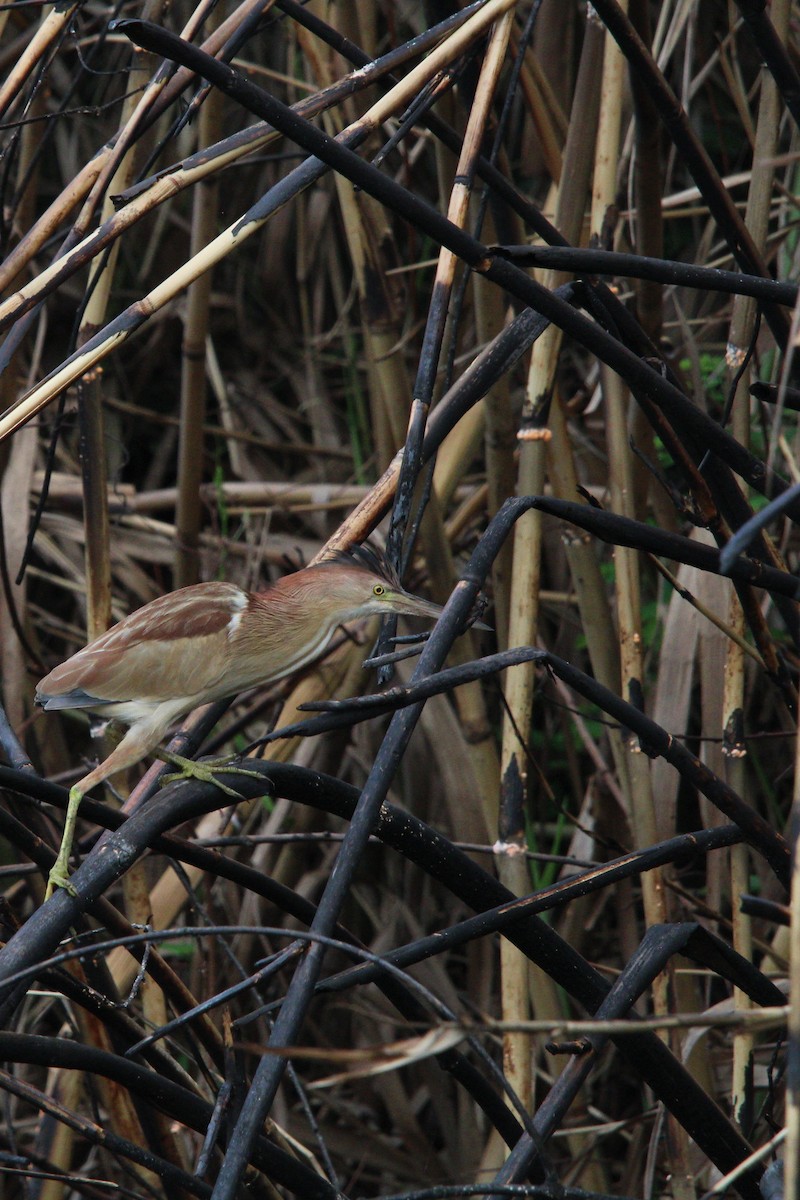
<point x="368" y="557"/>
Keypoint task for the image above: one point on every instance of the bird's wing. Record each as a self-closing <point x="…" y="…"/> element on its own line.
<point x="175" y="646"/>
<point x="77" y="698"/>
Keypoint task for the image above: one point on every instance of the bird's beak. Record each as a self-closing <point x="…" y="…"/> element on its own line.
<point x="415" y="606"/>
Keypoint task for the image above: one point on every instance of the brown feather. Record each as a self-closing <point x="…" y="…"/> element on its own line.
<point x="163" y="650"/>
<point x="206" y="642"/>
<point x="369" y="558"/>
<point x="211" y="640"/>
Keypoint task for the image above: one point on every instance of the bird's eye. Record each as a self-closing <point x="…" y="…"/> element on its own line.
<point x="379" y="590"/>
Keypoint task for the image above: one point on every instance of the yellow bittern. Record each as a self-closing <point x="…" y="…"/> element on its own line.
<point x="206" y="642"/>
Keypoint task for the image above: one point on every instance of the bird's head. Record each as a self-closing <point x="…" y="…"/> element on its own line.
<point x="360" y="583"/>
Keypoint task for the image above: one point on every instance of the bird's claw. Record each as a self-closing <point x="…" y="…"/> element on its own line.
<point x="59" y="879"/>
<point x="59" y="872"/>
<point x="206" y="772"/>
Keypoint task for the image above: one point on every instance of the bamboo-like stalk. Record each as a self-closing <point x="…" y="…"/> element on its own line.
<point x="589" y="586"/>
<point x="630" y="487"/>
<point x="239" y="232"/>
<point x="460" y="194"/>
<point x="167" y="183"/>
<point x="628" y="589"/>
<point x="469" y="700"/>
<point x="525" y="582"/>
<point x="649" y="240"/>
<point x="590" y="589"/>
<point x="514" y="967"/>
<point x="500" y="442"/>
<point x="637" y="783"/>
<point x="372" y="254"/>
<point x="742" y="330"/>
<point x="92" y="424"/>
<point x="471" y="706"/>
<point x="54" y="20"/>
<point x="193" y="375"/>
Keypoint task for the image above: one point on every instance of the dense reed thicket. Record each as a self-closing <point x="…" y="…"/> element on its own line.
<point x="507" y="288"/>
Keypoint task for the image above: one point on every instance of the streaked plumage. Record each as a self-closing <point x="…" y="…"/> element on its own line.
<point x="209" y="641"/>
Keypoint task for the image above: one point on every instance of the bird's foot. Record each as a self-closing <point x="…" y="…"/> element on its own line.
<point x="59" y="874"/>
<point x="58" y="879"/>
<point x="207" y="771"/>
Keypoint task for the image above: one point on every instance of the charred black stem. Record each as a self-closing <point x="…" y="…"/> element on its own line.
<point x="638" y="374"/>
<point x="500" y="918"/>
<point x="661" y="270"/>
<point x="743" y="537"/>
<point x="435" y="855"/>
<point x="770" y="393"/>
<point x="774" y="54"/>
<point x="622" y="531"/>
<point x="249" y="880"/>
<point x="654" y="739"/>
<point x="693" y="153"/>
<point x="177" y="1102"/>
<point x="657" y="948"/>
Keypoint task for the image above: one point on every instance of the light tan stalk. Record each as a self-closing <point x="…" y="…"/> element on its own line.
<point x="473" y="140"/>
<point x="236" y="234"/>
<point x="500" y="444"/>
<point x="649" y="240"/>
<point x="94" y="467"/>
<point x="617" y="400"/>
<point x="55" y="19"/>
<point x="734" y="748"/>
<point x="639" y="799"/>
<point x="524" y="602"/>
<point x="637" y="781"/>
<point x="372" y="255"/>
<point x="193" y="375"/>
<point x="149" y="194"/>
<point x="469" y="699"/>
<point x="514" y="965"/>
<point x="534" y="439"/>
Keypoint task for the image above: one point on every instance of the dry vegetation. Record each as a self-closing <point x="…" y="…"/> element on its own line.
<point x="215" y="347"/>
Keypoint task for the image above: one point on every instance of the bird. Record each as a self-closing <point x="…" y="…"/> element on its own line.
<point x="203" y="643"/>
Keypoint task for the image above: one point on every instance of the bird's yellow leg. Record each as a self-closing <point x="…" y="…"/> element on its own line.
<point x="206" y="771"/>
<point x="59" y="875"/>
<point x="136" y="742"/>
<point x="187" y="769"/>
